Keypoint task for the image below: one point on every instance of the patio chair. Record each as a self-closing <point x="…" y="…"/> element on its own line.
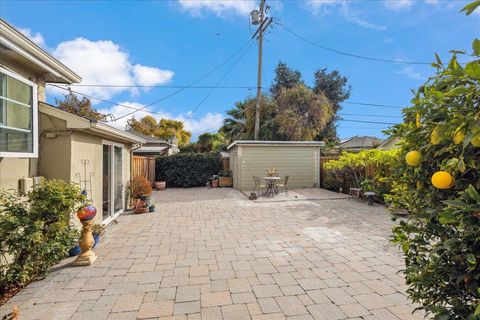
<point x="258" y="186"/>
<point x="283" y="184"/>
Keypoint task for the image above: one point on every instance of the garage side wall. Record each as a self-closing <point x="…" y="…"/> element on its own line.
<point x="300" y="162"/>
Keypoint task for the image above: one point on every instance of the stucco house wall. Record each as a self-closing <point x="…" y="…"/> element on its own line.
<point x="24" y="59"/>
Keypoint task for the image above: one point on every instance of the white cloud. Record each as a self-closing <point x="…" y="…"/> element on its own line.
<point x="148" y="76"/>
<point x="210" y="122"/>
<point x="104" y="62"/>
<point x="406" y="4"/>
<point x="36" y="37"/>
<point x="411" y="72"/>
<point x="218" y="7"/>
<point x="326" y="6"/>
<point x="322" y="6"/>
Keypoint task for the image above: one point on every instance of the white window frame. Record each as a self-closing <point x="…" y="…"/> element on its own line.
<point x="112" y="215"/>
<point x="34" y="154"/>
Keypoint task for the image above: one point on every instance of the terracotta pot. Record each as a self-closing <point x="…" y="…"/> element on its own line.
<point x="140" y="210"/>
<point x="225" y="181"/>
<point x="160" y="185"/>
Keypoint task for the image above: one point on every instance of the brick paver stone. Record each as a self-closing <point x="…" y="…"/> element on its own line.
<point x="212" y="254"/>
<point x="215" y="299"/>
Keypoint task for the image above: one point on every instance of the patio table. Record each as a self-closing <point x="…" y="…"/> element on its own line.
<point x="270" y="183"/>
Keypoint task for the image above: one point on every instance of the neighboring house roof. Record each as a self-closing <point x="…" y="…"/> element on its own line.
<point x="75" y="122"/>
<point x="150" y="139"/>
<point x="360" y="143"/>
<point x="151" y="149"/>
<point x="17" y="48"/>
<point x="390" y="143"/>
<point x="275" y="143"/>
<point x="224" y="154"/>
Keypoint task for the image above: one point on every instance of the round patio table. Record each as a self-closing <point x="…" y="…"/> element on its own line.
<point x="270" y="183"/>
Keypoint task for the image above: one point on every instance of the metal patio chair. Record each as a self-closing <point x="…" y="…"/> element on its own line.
<point x="258" y="186"/>
<point x="283" y="184"/>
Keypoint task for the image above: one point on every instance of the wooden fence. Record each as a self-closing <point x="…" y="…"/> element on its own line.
<point x="144" y="166"/>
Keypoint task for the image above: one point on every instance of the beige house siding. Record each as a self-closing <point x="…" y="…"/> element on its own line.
<point x="55" y="148"/>
<point x="301" y="163"/>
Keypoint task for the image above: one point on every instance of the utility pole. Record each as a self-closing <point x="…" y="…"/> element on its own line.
<point x="259" y="77"/>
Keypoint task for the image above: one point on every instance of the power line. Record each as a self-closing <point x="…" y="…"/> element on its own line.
<point x="191" y="84"/>
<point x="218" y="83"/>
<point x="362" y="121"/>
<point x="159" y="86"/>
<point x="347" y="53"/>
<point x="367" y="115"/>
<point x="373" y="104"/>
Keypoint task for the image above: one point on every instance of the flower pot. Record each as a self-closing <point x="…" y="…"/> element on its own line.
<point x="75" y="251"/>
<point x="96" y="238"/>
<point x="151" y="208"/>
<point x="145" y="199"/>
<point x="160" y="185"/>
<point x="215" y="183"/>
<point x="225" y="181"/>
<point x="140" y="210"/>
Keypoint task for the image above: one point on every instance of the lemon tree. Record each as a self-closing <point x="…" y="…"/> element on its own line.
<point x="438" y="184"/>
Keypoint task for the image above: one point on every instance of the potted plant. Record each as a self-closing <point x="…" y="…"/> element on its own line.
<point x="141" y="190"/>
<point x="160" y="185"/>
<point x="225" y="179"/>
<point x="98" y="230"/>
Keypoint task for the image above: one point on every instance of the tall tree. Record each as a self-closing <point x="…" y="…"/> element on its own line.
<point x="302" y="114"/>
<point x="239" y="125"/>
<point x="163" y="129"/>
<point x="211" y="142"/>
<point x="285" y="77"/>
<point x="83" y="108"/>
<point x="336" y="88"/>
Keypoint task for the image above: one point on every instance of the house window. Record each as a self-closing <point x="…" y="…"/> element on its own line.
<point x="18" y="116"/>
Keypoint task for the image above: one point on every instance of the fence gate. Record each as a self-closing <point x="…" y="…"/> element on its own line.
<point x="144" y="166"/>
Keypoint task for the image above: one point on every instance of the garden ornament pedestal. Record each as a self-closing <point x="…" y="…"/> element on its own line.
<point x="86" y="256"/>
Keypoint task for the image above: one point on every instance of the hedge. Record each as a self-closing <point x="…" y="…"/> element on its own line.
<point x="187" y="170"/>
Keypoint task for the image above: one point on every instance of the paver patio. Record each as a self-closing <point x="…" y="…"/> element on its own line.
<point x="212" y="254"/>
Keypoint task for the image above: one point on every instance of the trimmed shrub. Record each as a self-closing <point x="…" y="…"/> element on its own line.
<point x="187" y="170"/>
<point x="36" y="233"/>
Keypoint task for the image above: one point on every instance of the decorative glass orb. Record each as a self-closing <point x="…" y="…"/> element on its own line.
<point x="87" y="213"/>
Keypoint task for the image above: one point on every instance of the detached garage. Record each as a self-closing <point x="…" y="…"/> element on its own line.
<point x="298" y="159"/>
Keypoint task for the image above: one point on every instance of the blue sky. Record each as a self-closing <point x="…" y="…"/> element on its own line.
<point x="173" y="43"/>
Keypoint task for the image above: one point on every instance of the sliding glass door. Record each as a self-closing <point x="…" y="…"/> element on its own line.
<point x="113" y="183"/>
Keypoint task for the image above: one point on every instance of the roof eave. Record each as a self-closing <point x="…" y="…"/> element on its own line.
<point x="17" y="41"/>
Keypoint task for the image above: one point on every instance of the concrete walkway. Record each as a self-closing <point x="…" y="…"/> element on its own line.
<point x="212" y="254"/>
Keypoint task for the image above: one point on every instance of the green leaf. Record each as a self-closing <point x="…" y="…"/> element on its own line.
<point x="437" y="57"/>
<point x="472" y="69"/>
<point x="477" y="310"/>
<point x="461" y="165"/>
<point x="447" y="217"/>
<point x="469" y="8"/>
<point x="471" y="259"/>
<point x="476" y="47"/>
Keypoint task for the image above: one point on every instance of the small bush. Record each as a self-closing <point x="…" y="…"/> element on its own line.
<point x="187" y="169"/>
<point x="36" y="233"/>
<point x="140" y="186"/>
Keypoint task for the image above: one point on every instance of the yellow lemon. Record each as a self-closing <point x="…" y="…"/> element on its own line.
<point x="437" y="134"/>
<point x="413" y="158"/>
<point x="476" y="140"/>
<point x="442" y="180"/>
<point x="458" y="136"/>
